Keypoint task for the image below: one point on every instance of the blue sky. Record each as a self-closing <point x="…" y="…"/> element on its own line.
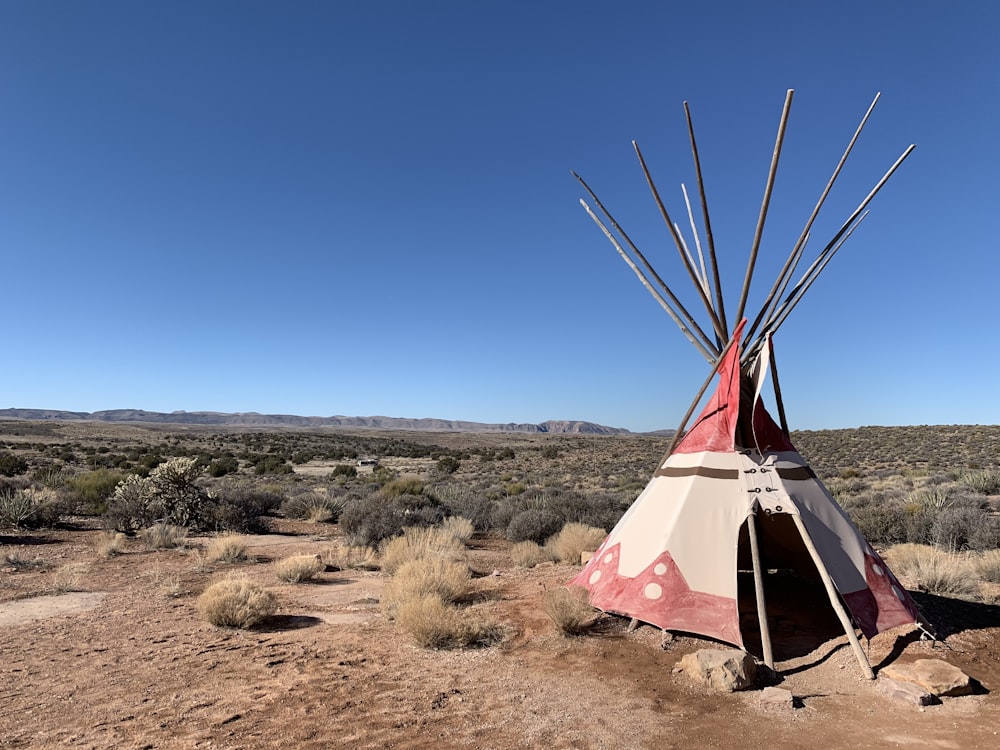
<point x="366" y="208"/>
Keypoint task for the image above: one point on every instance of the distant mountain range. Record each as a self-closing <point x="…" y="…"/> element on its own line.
<point x="252" y="419"/>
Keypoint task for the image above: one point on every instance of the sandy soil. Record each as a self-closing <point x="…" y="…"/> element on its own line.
<point x="123" y="662"/>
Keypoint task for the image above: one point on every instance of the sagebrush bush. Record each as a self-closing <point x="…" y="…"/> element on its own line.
<point x="570" y="609"/>
<point x="240" y="507"/>
<point x="227" y="548"/>
<point x="236" y="603"/>
<point x="368" y="520"/>
<point x="447" y="579"/>
<point x="573" y="540"/>
<point x="528" y="554"/>
<point x="163" y="536"/>
<point x="418" y="542"/>
<point x="954" y="527"/>
<point x="299" y="568"/>
<point x="986" y="535"/>
<point x="934" y="570"/>
<point x="880" y="523"/>
<point x="533" y="524"/>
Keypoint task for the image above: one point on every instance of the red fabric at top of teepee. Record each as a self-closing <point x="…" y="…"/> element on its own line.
<point x="715" y="427"/>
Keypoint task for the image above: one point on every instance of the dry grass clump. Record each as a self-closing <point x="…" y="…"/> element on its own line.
<point x="447" y="579"/>
<point x="460" y="528"/>
<point x="932" y="570"/>
<point x="68" y="577"/>
<point x="433" y="623"/>
<point x="227" y="548"/>
<point x="570" y="609"/>
<point x="987" y="566"/>
<point x="350" y="557"/>
<point x="110" y="543"/>
<point x="528" y="554"/>
<point x="163" y="536"/>
<point x="236" y="603"/>
<point x="573" y="540"/>
<point x="299" y="568"/>
<point x="418" y="542"/>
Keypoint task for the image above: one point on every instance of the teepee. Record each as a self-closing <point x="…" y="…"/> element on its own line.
<point x="732" y="492"/>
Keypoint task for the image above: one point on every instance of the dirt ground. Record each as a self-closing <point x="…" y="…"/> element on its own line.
<point x="121" y="659"/>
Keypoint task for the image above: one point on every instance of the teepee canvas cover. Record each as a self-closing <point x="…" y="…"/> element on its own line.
<point x="672" y="559"/>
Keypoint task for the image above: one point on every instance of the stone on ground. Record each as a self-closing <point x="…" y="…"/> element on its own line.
<point x="935" y="676"/>
<point x="725" y="670"/>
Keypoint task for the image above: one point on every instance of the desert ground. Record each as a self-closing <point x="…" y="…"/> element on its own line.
<point x="111" y="652"/>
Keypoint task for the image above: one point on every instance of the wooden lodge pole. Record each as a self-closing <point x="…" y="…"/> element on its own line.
<point x="720" y="308"/>
<point x="758" y="585"/>
<point x="793" y="258"/>
<point x="769" y="187"/>
<point x="831" y="591"/>
<point x="720" y="332"/>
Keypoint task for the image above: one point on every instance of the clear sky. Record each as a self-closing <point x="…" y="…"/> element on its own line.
<point x="366" y="207"/>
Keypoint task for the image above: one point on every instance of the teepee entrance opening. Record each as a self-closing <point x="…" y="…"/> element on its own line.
<point x="799" y="615"/>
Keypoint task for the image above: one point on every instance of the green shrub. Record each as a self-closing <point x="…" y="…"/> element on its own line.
<point x="272" y="465"/>
<point x="92" y="489"/>
<point x="344" y="470"/>
<point x="448" y="465"/>
<point x="403" y="486"/>
<point x="222" y="466"/>
<point x="11" y="465"/>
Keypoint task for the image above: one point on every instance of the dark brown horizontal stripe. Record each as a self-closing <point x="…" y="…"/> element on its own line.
<point x="799" y="472"/>
<point x="697" y="471"/>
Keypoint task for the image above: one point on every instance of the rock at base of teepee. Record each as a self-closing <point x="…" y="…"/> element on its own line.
<point x="777" y="697"/>
<point x="724" y="670"/>
<point x="935" y="676"/>
<point x="905" y="692"/>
